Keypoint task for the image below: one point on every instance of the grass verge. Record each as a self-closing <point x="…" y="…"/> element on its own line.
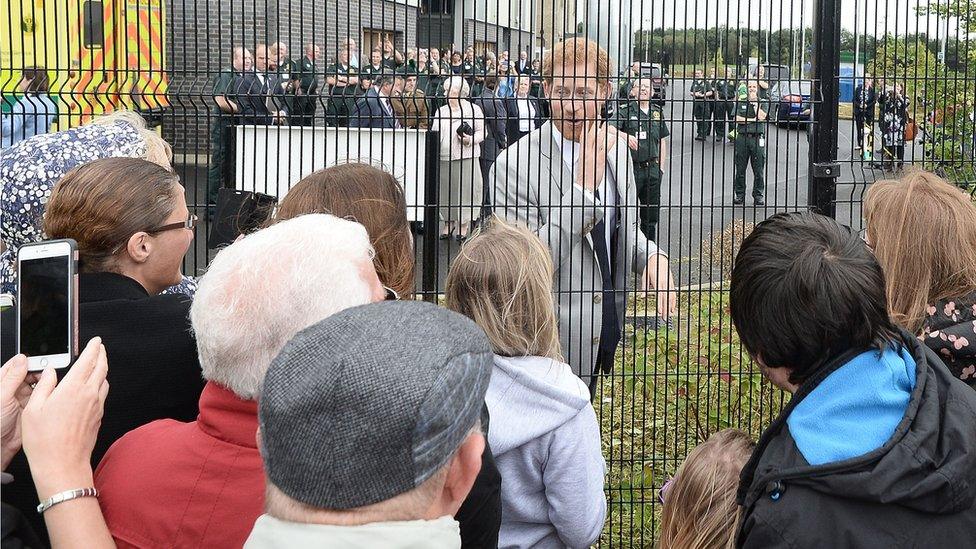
<point x="670" y="389"/>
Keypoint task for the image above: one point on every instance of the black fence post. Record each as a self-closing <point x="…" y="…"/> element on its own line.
<point x="431" y="216"/>
<point x="824" y="168"/>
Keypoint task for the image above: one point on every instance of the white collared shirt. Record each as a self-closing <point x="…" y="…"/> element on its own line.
<point x="526" y="114"/>
<point x="608" y="188"/>
<point x="388" y="107"/>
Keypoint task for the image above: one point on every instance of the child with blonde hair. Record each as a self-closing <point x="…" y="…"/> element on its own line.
<point x="700" y="511"/>
<point x="543" y="433"/>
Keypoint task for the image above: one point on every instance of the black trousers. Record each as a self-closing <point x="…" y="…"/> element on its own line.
<point x="862" y="118"/>
<point x="302" y="111"/>
<point x="487" y="187"/>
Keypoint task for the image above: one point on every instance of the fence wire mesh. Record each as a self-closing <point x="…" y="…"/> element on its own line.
<point x="256" y="94"/>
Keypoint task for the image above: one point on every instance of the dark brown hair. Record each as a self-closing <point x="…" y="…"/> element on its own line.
<point x="39" y="80"/>
<point x="804" y="290"/>
<point x="102" y="204"/>
<point x="366" y="195"/>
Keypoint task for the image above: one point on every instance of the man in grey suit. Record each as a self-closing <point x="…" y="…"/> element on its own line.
<point x="572" y="183"/>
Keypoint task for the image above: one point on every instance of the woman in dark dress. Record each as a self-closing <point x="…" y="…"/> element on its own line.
<point x="894" y="119"/>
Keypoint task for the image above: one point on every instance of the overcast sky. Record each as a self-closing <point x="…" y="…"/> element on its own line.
<point x="863" y="16"/>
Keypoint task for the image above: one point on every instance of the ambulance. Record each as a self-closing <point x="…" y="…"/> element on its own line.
<point x="101" y="55"/>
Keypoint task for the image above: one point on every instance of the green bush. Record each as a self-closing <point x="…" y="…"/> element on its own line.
<point x="670" y="390"/>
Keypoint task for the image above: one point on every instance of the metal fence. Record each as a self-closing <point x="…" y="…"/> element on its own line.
<point x="673" y="382"/>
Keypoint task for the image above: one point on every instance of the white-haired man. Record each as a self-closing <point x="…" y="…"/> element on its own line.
<point x="200" y="484"/>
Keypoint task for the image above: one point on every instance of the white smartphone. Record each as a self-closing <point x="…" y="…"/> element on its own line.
<point x="47" y="303"/>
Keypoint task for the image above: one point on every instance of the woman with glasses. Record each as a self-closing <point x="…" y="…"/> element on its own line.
<point x="130" y="220"/>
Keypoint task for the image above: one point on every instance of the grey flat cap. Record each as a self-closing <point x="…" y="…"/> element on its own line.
<point x="370" y="402"/>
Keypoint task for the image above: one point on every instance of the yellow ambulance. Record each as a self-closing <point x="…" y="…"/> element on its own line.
<point x="100" y="55"/>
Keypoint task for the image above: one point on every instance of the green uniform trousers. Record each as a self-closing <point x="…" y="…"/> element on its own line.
<point x="648" y="178"/>
<point x="722" y="111"/>
<point x="749" y="149"/>
<point x="701" y="113"/>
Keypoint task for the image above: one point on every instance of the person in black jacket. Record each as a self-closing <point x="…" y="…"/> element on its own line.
<point x="374" y="109"/>
<point x="865" y="99"/>
<point x="524" y="111"/>
<point x="259" y="94"/>
<point x="132" y="226"/>
<point x="875" y="447"/>
<point x="496" y="118"/>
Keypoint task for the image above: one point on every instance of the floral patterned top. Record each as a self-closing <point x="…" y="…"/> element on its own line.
<point x="949" y="329"/>
<point x="894" y="119"/>
<point x="30" y="169"/>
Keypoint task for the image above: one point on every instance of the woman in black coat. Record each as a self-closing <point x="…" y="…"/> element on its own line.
<point x="894" y="120"/>
<point x="130" y="220"/>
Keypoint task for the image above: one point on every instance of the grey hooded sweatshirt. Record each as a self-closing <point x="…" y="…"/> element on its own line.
<point x="546" y="441"/>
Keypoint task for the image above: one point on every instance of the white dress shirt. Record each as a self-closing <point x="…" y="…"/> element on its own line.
<point x="385" y="101"/>
<point x="526" y="114"/>
<point x="608" y="188"/>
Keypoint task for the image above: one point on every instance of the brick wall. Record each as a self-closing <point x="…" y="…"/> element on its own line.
<point x="201" y="35"/>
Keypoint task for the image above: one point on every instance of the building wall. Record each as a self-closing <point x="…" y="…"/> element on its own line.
<point x="553" y="20"/>
<point x="202" y="33"/>
<point x="504" y="38"/>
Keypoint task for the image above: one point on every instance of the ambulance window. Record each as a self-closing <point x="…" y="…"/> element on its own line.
<point x="94" y="29"/>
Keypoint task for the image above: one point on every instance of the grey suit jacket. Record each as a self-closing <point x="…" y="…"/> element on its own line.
<point x="535" y="188"/>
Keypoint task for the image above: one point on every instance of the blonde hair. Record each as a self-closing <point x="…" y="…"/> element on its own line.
<point x="700" y="511"/>
<point x="502" y="279"/>
<point x="923" y="231"/>
<point x="577" y="51"/>
<point x="158" y="151"/>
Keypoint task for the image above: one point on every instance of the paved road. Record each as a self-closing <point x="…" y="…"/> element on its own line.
<point x="697" y="191"/>
<point x="699" y="185"/>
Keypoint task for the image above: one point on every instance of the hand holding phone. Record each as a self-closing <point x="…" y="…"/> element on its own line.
<point x="47" y="303"/>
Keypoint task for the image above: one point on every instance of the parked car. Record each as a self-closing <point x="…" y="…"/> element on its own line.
<point x="773" y="73"/>
<point x="658" y="81"/>
<point x="791" y="101"/>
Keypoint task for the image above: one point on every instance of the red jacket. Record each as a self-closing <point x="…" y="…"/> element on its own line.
<point x="197" y="484"/>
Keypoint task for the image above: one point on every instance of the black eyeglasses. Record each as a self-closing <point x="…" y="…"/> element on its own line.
<point x="190" y="223"/>
<point x="391" y="294"/>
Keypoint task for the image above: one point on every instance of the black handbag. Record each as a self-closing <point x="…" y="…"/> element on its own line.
<point x="465" y="129"/>
<point x="238" y="212"/>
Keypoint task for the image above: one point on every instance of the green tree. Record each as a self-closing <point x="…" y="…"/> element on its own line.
<point x="941" y="100"/>
<point x="965" y="13"/>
